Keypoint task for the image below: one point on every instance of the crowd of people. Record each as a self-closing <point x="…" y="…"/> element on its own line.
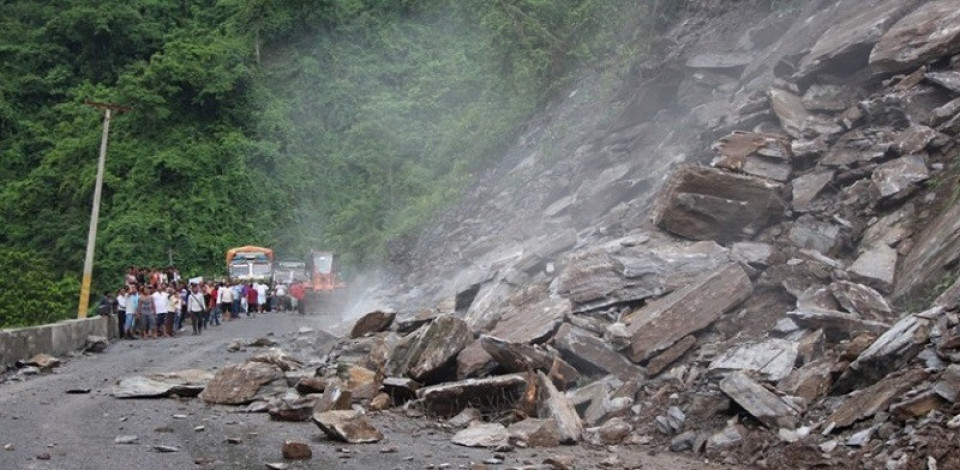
<point x="157" y="303"/>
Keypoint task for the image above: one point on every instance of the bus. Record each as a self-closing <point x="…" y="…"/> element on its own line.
<point x="250" y="264"/>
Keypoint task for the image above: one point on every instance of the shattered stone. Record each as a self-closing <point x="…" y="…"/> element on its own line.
<point x="373" y="322"/>
<point x="362" y="383"/>
<point x="752" y="253"/>
<point x="493" y="394"/>
<point x="517" y="357"/>
<point x="810" y="382"/>
<point x="296" y="450"/>
<point x="482" y="435"/>
<point x="796" y="120"/>
<point x="807" y="187"/>
<point x="730" y="436"/>
<point x="613" y="432"/>
<point x="811" y="346"/>
<point x="948" y="386"/>
<point x="933" y="252"/>
<point x="810" y="233"/>
<point x="307" y="385"/>
<point x="771" y="360"/>
<point x="349" y="426"/>
<point x="44" y="361"/>
<point x="929" y="32"/>
<point x="866" y="402"/>
<point x="764" y="155"/>
<point x="334" y="397"/>
<point x="876" y="268"/>
<point x="661" y="324"/>
<point x="860" y="146"/>
<point x="293" y="407"/>
<point x="720" y="60"/>
<point x="400" y="389"/>
<point x="761" y="403"/>
<point x="96" y="344"/>
<point x="890" y="352"/>
<point x="861" y="438"/>
<point x="833" y="98"/>
<point x="591" y="355"/>
<point x="661" y="361"/>
<point x="891" y="229"/>
<point x="465" y="417"/>
<point x="861" y="299"/>
<point x="710" y="204"/>
<point x="437" y="346"/>
<point x="536" y="432"/>
<point x="672" y="422"/>
<point x="553" y="404"/>
<point x="899" y="178"/>
<point x="683" y="442"/>
<point x="186" y="383"/>
<point x="835" y="324"/>
<point x="845" y="46"/>
<point x="915" y="407"/>
<point x="278" y="358"/>
<point x="380" y="402"/>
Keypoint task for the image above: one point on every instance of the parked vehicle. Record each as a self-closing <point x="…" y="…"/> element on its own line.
<point x="250" y="263"/>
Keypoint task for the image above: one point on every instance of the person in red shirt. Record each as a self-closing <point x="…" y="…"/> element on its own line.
<point x="298" y="292"/>
<point x="252" y="304"/>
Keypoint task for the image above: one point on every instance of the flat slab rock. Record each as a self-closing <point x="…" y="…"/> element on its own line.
<point x="449" y="399"/>
<point x="760" y="402"/>
<point x="592" y="355"/>
<point x="237" y="384"/>
<point x="185" y="383"/>
<point x="437" y="346"/>
<point x="554" y="404"/>
<point x="929" y="32"/>
<point x="889" y="352"/>
<point x="659" y="325"/>
<point x="482" y="435"/>
<point x="868" y="401"/>
<point x="709" y="204"/>
<point x="771" y="360"/>
<point x="349" y="426"/>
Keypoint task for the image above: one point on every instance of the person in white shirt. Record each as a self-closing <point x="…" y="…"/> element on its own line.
<point x="225" y="294"/>
<point x="162" y="303"/>
<point x="261" y="289"/>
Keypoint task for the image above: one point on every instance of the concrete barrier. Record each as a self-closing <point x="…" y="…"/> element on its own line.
<point x="55" y="339"/>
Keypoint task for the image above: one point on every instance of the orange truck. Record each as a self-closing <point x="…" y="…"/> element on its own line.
<point x="323" y="272"/>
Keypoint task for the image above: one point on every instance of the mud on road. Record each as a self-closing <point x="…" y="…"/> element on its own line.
<point x="42" y="426"/>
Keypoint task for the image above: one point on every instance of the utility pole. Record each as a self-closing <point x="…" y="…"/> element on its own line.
<point x="109" y="110"/>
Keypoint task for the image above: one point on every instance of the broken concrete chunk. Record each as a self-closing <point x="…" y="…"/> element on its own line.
<point x="771" y="360"/>
<point x="349" y="426"/>
<point x="876" y="268"/>
<point x="491" y="394"/>
<point x="553" y="404"/>
<point x="237" y="384"/>
<point x="928" y="33"/>
<point x="592" y="355"/>
<point x="866" y="402"/>
<point x="710" y="204"/>
<point x="373" y="322"/>
<point x="761" y="403"/>
<point x="889" y="353"/>
<point x="659" y="325"/>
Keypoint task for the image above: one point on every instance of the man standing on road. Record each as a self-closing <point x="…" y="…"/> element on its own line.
<point x="162" y="303"/>
<point x="133" y="302"/>
<point x="226" y="301"/>
<point x="195" y="307"/>
<point x="121" y="310"/>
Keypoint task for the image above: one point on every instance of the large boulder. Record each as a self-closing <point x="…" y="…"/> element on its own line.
<point x="659" y="325"/>
<point x="437" y="347"/>
<point x="237" y="384"/>
<point x="185" y="383"/>
<point x="709" y="204"/>
<point x="930" y="32"/>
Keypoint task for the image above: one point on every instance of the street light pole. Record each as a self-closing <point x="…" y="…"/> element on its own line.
<point x="109" y="110"/>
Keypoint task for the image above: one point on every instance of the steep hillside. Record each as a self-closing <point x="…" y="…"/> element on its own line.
<point x="746" y="248"/>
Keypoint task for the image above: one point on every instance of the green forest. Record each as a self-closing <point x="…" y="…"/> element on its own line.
<point x="294" y="124"/>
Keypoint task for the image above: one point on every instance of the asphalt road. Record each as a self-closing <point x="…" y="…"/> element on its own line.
<point x="44" y="427"/>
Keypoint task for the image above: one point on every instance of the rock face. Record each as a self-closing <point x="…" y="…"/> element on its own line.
<point x="348" y="426"/>
<point x="237" y="384"/>
<point x="931" y="31"/>
<point x="661" y="324"/>
<point x="707" y="204"/>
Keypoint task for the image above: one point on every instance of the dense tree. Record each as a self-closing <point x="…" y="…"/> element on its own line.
<point x="297" y="124"/>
